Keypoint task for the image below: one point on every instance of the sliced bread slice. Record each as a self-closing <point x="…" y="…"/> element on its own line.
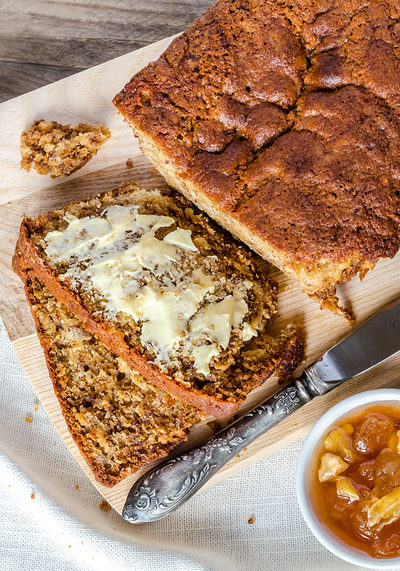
<point x="164" y="288"/>
<point x="119" y="420"/>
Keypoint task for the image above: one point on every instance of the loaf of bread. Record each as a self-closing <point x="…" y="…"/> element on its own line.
<point x="119" y="420"/>
<point x="281" y="120"/>
<point x="165" y="289"/>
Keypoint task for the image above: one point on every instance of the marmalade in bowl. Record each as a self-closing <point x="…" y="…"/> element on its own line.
<point x="355" y="480"/>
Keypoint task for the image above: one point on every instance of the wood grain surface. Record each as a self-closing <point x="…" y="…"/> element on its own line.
<point x="87" y="97"/>
<point x="43" y="41"/>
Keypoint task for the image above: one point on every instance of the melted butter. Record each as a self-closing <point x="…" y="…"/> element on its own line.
<point x="217" y="319"/>
<point x="166" y="319"/>
<point x="152" y="253"/>
<point x="248" y="332"/>
<point x="76" y="238"/>
<point x="119" y="255"/>
<point x="203" y="356"/>
<point x="181" y="238"/>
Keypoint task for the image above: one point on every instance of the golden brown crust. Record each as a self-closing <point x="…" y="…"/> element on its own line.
<point x="307" y="177"/>
<point x="243" y="374"/>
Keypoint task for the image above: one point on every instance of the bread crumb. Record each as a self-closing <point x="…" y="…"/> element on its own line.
<point x="32" y="496"/>
<point x="251" y="520"/>
<point x="60" y="150"/>
<point x="28" y="419"/>
<point x="76" y="486"/>
<point x="129" y="164"/>
<point x="105" y="506"/>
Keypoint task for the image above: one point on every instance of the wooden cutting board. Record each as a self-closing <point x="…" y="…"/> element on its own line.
<point x="86" y="97"/>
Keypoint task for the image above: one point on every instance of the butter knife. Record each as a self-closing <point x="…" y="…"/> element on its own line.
<point x="171" y="483"/>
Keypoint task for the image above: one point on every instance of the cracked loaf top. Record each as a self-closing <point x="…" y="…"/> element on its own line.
<point x="281" y="121"/>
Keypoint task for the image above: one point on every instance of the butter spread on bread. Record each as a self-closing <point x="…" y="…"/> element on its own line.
<point x="191" y="317"/>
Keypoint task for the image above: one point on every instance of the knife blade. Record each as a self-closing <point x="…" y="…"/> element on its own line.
<point x="167" y="486"/>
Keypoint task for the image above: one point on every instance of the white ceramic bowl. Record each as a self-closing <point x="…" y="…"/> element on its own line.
<point x="330" y="541"/>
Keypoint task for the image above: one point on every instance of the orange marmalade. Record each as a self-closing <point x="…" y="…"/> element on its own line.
<point x="355" y="480"/>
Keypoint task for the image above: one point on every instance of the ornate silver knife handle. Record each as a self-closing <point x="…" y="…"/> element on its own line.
<point x="163" y="489"/>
